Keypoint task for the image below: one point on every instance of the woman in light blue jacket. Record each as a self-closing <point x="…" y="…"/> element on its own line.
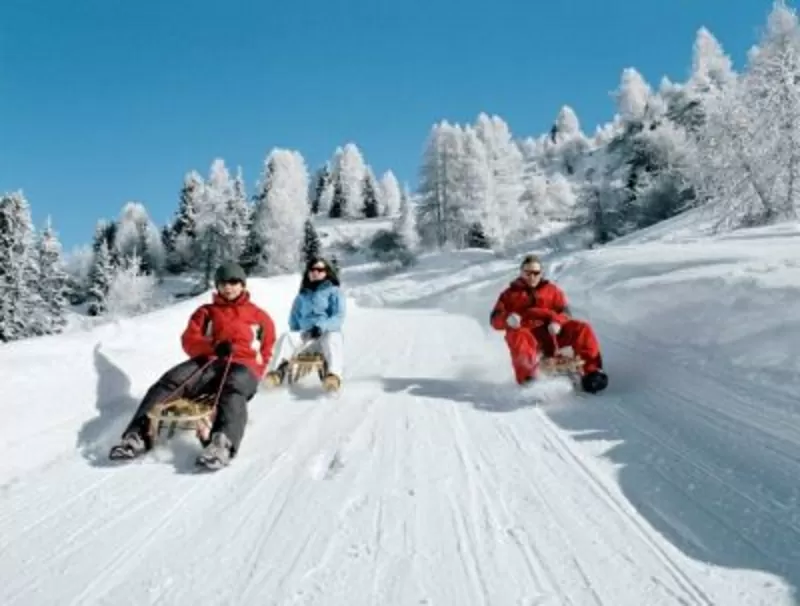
<point x="317" y="314"/>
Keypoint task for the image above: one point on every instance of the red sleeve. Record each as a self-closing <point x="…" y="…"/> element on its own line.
<point x="499" y="314"/>
<point x="560" y="306"/>
<point x="268" y="337"/>
<point x="194" y="341"/>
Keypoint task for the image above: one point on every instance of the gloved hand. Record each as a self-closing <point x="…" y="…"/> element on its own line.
<point x="315" y="332"/>
<point x="554" y="328"/>
<point x="223" y="349"/>
<point x="514" y="321"/>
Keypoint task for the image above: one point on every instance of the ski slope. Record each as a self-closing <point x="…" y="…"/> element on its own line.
<point x="433" y="480"/>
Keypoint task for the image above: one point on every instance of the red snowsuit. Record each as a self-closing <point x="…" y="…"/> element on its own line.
<point x="539" y="306"/>
<point x="249" y="328"/>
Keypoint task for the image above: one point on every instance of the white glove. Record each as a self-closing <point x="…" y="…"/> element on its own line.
<point x="554" y="328"/>
<point x="514" y="321"/>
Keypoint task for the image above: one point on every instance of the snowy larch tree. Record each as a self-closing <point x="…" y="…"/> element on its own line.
<point x="19" y="294"/>
<point x="390" y="194"/>
<point x="440" y="219"/>
<point x="52" y="282"/>
<point x="506" y="168"/>
<point x="632" y="96"/>
<point x="280" y="213"/>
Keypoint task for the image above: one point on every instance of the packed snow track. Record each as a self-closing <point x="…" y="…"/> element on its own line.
<point x="430" y="481"/>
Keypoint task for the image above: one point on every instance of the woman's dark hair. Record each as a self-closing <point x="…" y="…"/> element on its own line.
<point x="332" y="275"/>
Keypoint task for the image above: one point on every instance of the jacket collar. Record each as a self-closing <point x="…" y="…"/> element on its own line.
<point x="240" y="300"/>
<point x="521" y="284"/>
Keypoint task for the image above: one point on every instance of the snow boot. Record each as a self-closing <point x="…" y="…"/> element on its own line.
<point x="131" y="446"/>
<point x="275" y="377"/>
<point x="331" y="382"/>
<point x="217" y="454"/>
<point x="595" y="381"/>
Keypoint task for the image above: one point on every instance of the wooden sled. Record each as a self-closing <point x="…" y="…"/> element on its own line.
<point x="562" y="365"/>
<point x="188" y="415"/>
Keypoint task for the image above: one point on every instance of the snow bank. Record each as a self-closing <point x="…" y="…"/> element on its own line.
<point x="727" y="298"/>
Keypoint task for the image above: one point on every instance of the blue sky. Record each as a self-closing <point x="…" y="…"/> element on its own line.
<point x="105" y="101"/>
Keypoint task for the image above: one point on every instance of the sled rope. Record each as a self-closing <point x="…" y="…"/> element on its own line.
<point x="222" y="383"/>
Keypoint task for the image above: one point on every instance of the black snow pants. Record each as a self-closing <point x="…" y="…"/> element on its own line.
<point x="239" y="388"/>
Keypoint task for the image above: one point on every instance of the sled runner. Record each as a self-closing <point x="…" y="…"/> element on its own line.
<point x="306" y="361"/>
<point x="183" y="414"/>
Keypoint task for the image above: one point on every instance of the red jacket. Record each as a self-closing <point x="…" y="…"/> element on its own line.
<point x="249" y="328"/>
<point x="536" y="306"/>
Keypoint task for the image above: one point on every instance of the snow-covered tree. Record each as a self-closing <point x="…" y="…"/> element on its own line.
<point x="312" y="246"/>
<point x="321" y="191"/>
<point x="390" y="194"/>
<point x="348" y="173"/>
<point x="182" y="233"/>
<point x="281" y="209"/>
<point x="750" y="147"/>
<point x="238" y="212"/>
<point x="439" y="219"/>
<point x="100" y="277"/>
<point x="633" y="96"/>
<point x="53" y="281"/>
<point x="506" y="168"/>
<point x="19" y="294"/>
<point x="406" y="223"/>
<point x="371" y="194"/>
<point x="216" y="241"/>
<point x="136" y="233"/>
<point x="131" y="290"/>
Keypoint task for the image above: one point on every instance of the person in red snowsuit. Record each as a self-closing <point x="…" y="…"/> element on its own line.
<point x="229" y="343"/>
<point x="536" y="317"/>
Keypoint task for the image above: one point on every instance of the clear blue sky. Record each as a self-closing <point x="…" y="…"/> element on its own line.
<point x="105" y="101"/>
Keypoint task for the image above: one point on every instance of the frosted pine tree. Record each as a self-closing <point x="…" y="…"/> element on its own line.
<point x="390" y="194"/>
<point x="183" y="230"/>
<point x="348" y="175"/>
<point x="130" y="290"/>
<point x="52" y="282"/>
<point x="214" y="244"/>
<point x="312" y="246"/>
<point x="319" y="186"/>
<point x="277" y="230"/>
<point x="239" y="212"/>
<point x="371" y="195"/>
<point x="19" y="296"/>
<point x="405" y="224"/>
<point x="136" y="233"/>
<point x="100" y="277"/>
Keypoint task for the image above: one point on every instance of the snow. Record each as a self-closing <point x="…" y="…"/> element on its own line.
<point x="432" y="479"/>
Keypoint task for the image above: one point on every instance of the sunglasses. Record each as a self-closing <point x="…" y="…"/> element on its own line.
<point x="318" y="270"/>
<point x="532" y="272"/>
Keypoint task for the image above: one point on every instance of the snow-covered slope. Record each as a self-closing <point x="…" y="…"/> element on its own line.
<point x="433" y="480"/>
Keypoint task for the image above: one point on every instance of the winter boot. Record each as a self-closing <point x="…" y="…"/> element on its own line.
<point x="131" y="446"/>
<point x="331" y="382"/>
<point x="217" y="454"/>
<point x="594" y="381"/>
<point x="275" y="377"/>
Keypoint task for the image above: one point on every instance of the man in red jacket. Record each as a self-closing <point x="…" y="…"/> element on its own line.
<point x="535" y="315"/>
<point x="231" y="333"/>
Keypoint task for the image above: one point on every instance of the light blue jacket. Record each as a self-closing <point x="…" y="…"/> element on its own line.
<point x="323" y="307"/>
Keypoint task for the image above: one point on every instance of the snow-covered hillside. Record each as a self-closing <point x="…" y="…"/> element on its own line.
<point x="433" y="480"/>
